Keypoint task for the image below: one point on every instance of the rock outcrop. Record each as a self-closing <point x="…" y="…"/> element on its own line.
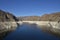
<point x="7" y="23"/>
<point x="29" y="18"/>
<point x="45" y="17"/>
<point x="51" y="17"/>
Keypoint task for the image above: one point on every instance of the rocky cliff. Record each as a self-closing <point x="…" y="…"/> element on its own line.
<point x="50" y="17"/>
<point x="45" y="17"/>
<point x="29" y="18"/>
<point x="6" y="16"/>
<point x="7" y="23"/>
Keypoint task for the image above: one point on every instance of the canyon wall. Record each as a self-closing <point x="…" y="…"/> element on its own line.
<point x="50" y="26"/>
<point x="54" y="24"/>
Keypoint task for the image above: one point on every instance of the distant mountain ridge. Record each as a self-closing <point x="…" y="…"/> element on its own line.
<point x="29" y="18"/>
<point x="51" y="17"/>
<point x="45" y="17"/>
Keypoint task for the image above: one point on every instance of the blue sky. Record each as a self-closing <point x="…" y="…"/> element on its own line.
<point x="30" y="7"/>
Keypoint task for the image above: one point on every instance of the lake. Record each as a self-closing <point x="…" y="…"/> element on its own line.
<point x="30" y="32"/>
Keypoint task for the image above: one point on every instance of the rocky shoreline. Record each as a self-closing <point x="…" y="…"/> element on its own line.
<point x="52" y="27"/>
<point x="8" y="23"/>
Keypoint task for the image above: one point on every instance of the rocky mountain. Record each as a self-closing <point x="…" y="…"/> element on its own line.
<point x="7" y="23"/>
<point x="6" y="16"/>
<point x="51" y="17"/>
<point x="29" y="18"/>
<point x="45" y="17"/>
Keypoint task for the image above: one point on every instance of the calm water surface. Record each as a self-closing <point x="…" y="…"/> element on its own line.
<point x="30" y="32"/>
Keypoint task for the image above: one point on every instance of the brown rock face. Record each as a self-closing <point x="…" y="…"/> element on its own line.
<point x="29" y="18"/>
<point x="45" y="17"/>
<point x="5" y="16"/>
<point x="51" y="17"/>
<point x="7" y="23"/>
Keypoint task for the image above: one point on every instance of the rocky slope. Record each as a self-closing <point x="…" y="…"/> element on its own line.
<point x="51" y="17"/>
<point x="7" y="23"/>
<point x="45" y="17"/>
<point x="29" y="18"/>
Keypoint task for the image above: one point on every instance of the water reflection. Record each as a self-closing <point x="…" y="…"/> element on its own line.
<point x="28" y="31"/>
